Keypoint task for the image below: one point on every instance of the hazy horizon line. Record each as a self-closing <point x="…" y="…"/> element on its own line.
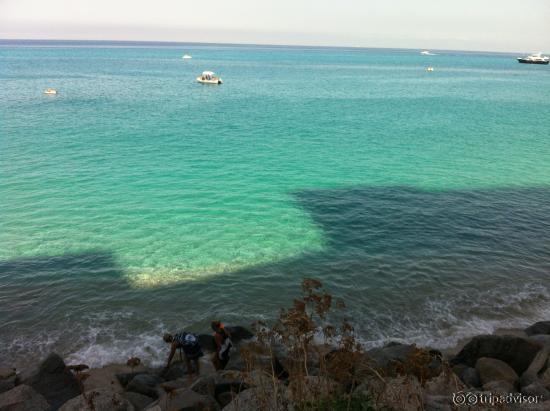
<point x="316" y="46"/>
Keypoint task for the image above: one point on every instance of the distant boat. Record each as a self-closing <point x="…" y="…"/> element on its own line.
<point x="427" y="53"/>
<point x="50" y="91"/>
<point x="429" y="69"/>
<point x="536" y="58"/>
<point x="186" y="57"/>
<point x="209" y="77"/>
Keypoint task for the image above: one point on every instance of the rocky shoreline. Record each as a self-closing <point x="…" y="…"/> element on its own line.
<point x="506" y="370"/>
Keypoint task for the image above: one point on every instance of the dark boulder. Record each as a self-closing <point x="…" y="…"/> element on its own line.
<point x="7" y="384"/>
<point x="389" y="357"/>
<point x="527" y="379"/>
<point x="185" y="399"/>
<point x="491" y="370"/>
<point x="144" y="384"/>
<point x="543" y="339"/>
<point x="216" y="384"/>
<point x="125" y="378"/>
<point x="225" y="398"/>
<point x="175" y="371"/>
<point x="6" y="373"/>
<point x="470" y="377"/>
<point x="239" y="333"/>
<point x="396" y="358"/>
<point x="54" y="381"/>
<point x="98" y="400"/>
<point x="536" y="389"/>
<point x="542" y="327"/>
<point x="207" y="342"/>
<point x="23" y="398"/>
<point x="517" y="352"/>
<point x="139" y="401"/>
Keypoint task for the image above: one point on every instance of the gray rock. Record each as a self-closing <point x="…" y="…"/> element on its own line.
<point x="310" y="389"/>
<point x="515" y="351"/>
<point x="491" y="370"/>
<point x="144" y="384"/>
<point x="175" y="371"/>
<point x="139" y="401"/>
<point x="110" y="377"/>
<point x="538" y="406"/>
<point x="184" y="399"/>
<point x="499" y="387"/>
<point x="214" y="385"/>
<point x="459" y="368"/>
<point x="403" y="393"/>
<point x="169" y="386"/>
<point x="542" y="327"/>
<point x="205" y="385"/>
<point x="23" y="398"/>
<point x="98" y="400"/>
<point x="527" y="379"/>
<point x="437" y="403"/>
<point x="470" y="377"/>
<point x="538" y="362"/>
<point x="444" y="384"/>
<point x="542" y="339"/>
<point x="239" y="333"/>
<point x="125" y="378"/>
<point x="545" y="378"/>
<point x="236" y="362"/>
<point x="536" y="389"/>
<point x="53" y="381"/>
<point x="224" y="398"/>
<point x="206" y="366"/>
<point x="7" y="373"/>
<point x="389" y="357"/>
<point x="7" y="384"/>
<point x="255" y="399"/>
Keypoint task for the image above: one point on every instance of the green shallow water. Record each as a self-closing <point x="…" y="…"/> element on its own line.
<point x="136" y="190"/>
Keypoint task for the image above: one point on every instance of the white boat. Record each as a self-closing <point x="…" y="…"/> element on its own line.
<point x="427" y="53"/>
<point x="429" y="69"/>
<point x="536" y="58"/>
<point x="209" y="77"/>
<point x="186" y="57"/>
<point x="50" y="91"/>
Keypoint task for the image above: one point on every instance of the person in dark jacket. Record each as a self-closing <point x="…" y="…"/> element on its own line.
<point x="187" y="343"/>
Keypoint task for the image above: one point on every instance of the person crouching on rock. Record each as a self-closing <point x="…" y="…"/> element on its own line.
<point x="223" y="345"/>
<point x="189" y="344"/>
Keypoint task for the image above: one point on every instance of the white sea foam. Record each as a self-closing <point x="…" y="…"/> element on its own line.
<point x="148" y="347"/>
<point x="109" y="337"/>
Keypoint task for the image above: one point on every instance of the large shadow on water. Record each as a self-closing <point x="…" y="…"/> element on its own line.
<point x="405" y="260"/>
<point x="411" y="257"/>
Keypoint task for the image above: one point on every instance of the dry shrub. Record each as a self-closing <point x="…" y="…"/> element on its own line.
<point x="308" y="363"/>
<point x="318" y="361"/>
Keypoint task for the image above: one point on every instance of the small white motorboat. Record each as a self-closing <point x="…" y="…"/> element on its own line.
<point x="50" y="91"/>
<point x="186" y="57"/>
<point x="209" y="77"/>
<point x="536" y="58"/>
<point x="427" y="53"/>
<point x="429" y="69"/>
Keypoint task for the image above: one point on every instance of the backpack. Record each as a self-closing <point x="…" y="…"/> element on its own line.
<point x="189" y="343"/>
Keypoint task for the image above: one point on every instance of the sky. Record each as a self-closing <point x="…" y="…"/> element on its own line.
<point x="485" y="25"/>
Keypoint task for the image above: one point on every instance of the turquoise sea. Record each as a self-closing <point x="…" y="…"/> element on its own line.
<point x="138" y="201"/>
